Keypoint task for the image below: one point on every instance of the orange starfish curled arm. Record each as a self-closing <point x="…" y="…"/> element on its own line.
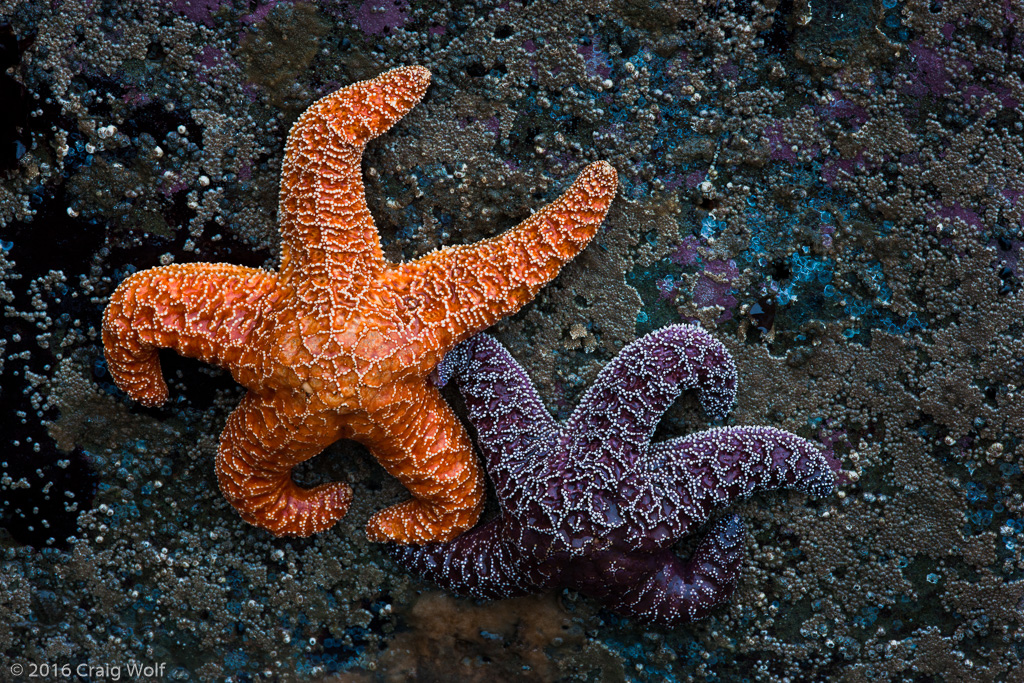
<point x="471" y="287"/>
<point x="418" y="439"/>
<point x="264" y="438"/>
<point x="201" y="310"/>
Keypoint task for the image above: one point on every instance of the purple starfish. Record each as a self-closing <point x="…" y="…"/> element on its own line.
<point x="591" y="504"/>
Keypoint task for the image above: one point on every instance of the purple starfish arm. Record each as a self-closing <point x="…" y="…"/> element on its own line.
<point x="695" y="475"/>
<point x="666" y="591"/>
<point x="617" y="416"/>
<point x="482" y="563"/>
<point x="502" y="403"/>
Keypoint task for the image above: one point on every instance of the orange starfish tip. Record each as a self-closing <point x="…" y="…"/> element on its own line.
<point x="417" y="76"/>
<point x="362" y="111"/>
<point x="598" y="184"/>
<point x="601" y="179"/>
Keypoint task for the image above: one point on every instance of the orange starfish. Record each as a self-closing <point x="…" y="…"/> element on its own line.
<point x="338" y="343"/>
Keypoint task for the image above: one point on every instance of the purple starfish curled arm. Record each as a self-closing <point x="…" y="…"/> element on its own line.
<point x="669" y="591"/>
<point x="480" y="563"/>
<point x="510" y="420"/>
<point x="502" y="404"/>
<point x="631" y="393"/>
<point x="710" y="470"/>
<point x="694" y="476"/>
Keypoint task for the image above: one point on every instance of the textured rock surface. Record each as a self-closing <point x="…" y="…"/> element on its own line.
<point x="833" y="189"/>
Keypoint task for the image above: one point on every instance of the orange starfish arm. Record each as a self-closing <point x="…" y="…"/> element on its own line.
<point x="418" y="439"/>
<point x="263" y="440"/>
<point x="201" y="310"/>
<point x="326" y="227"/>
<point x="458" y="291"/>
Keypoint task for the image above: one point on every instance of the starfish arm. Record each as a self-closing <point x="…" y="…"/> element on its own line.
<point x="617" y="415"/>
<point x="482" y="563"/>
<point x="709" y="470"/>
<point x="456" y="292"/>
<point x="673" y="591"/>
<point x="207" y="311"/>
<point x="417" y="438"/>
<point x="264" y="438"/>
<point x="326" y="227"/>
<point x="502" y="404"/>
